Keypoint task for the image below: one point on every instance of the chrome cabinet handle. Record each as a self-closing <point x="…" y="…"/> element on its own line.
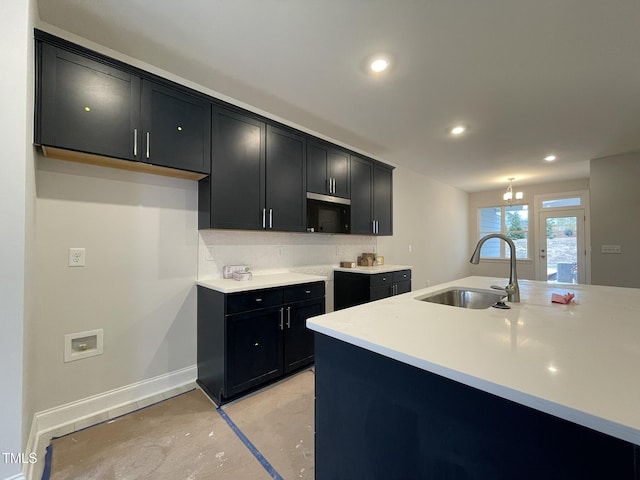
<point x="135" y="142"/>
<point x="307" y="291"/>
<point x="288" y="317"/>
<point x="264" y="213"/>
<point x="258" y="299"/>
<point x="282" y="319"/>
<point x="373" y="226"/>
<point x="148" y="135"/>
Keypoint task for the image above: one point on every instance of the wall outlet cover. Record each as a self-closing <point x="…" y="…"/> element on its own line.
<point x="77" y="257"/>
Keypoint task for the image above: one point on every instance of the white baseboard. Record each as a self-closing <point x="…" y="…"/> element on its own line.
<point x="20" y="476"/>
<point x="74" y="416"/>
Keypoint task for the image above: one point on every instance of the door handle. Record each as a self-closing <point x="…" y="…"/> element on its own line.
<point x="135" y="142"/>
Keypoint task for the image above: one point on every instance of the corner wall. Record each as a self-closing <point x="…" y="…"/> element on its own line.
<point x="15" y="82"/>
<point x="615" y="197"/>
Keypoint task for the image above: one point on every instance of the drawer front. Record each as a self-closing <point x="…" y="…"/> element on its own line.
<point x="401" y="276"/>
<point x="303" y="291"/>
<point x="251" y="300"/>
<point x="381" y="279"/>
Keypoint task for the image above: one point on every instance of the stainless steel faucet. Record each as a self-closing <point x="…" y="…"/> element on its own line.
<point x="513" y="289"/>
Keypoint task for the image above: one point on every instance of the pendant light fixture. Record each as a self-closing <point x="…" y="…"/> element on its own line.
<point x="508" y="196"/>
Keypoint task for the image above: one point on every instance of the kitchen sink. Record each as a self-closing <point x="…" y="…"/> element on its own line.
<point x="465" y="298"/>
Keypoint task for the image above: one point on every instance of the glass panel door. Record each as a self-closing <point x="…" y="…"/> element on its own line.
<point x="562" y="255"/>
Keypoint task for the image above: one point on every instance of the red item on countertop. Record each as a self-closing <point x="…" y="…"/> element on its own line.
<point x="564" y="299"/>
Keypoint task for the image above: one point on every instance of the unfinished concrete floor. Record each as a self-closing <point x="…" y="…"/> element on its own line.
<point x="185" y="437"/>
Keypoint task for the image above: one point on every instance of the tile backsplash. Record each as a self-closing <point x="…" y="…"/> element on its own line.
<point x="266" y="252"/>
<point x="273" y="252"/>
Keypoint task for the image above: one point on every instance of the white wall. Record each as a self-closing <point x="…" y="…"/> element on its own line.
<point x="615" y="197"/>
<point x="15" y="131"/>
<point x="500" y="268"/>
<point x="140" y="235"/>
<point x="431" y="217"/>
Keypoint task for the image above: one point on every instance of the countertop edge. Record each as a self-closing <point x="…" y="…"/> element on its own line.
<point x="599" y="424"/>
<point x="373" y="270"/>
<point x="258" y="282"/>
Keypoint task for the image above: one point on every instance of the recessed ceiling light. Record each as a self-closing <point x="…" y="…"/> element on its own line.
<point x="458" y="130"/>
<point x="550" y="158"/>
<point x="379" y="64"/>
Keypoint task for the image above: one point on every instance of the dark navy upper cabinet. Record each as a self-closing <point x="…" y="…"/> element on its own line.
<point x="85" y="105"/>
<point x="233" y="196"/>
<point x="176" y="129"/>
<point x="382" y="199"/>
<point x="371" y="197"/>
<point x="257" y="177"/>
<point x="89" y="107"/>
<point x="285" y="181"/>
<point x="328" y="170"/>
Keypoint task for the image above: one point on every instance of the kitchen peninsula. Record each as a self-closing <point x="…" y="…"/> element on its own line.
<point x="412" y="389"/>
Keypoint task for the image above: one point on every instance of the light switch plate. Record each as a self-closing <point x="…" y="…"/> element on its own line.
<point x="610" y="249"/>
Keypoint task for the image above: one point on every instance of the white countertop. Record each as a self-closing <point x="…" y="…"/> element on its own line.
<point x="580" y="362"/>
<point x="225" y="285"/>
<point x="376" y="269"/>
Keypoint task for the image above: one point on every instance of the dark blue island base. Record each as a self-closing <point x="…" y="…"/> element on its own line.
<point x="377" y="418"/>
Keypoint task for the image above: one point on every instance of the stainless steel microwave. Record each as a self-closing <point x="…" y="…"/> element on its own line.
<point x="326" y="214"/>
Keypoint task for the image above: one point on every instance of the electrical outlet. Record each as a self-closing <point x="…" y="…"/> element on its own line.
<point x="76" y="257"/>
<point x="208" y="255"/>
<point x="610" y="249"/>
<point x="410" y="248"/>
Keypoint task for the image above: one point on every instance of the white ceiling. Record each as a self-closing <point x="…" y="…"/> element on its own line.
<point x="528" y="77"/>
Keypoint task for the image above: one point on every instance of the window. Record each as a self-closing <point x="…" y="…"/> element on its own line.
<point x="509" y="220"/>
<point x="562" y="202"/>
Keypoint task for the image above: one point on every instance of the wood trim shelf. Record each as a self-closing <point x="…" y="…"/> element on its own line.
<point x="92" y="159"/>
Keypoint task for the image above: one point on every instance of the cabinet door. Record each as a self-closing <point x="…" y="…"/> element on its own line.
<point x="298" y="339"/>
<point x="403" y="287"/>
<point x="253" y="349"/>
<point x="380" y="292"/>
<point x="317" y="161"/>
<point x="339" y="171"/>
<point x="382" y="199"/>
<point x="86" y="106"/>
<point x="176" y="129"/>
<point x="327" y="170"/>
<point x="237" y="177"/>
<point x="285" y="180"/>
<point x="361" y="196"/>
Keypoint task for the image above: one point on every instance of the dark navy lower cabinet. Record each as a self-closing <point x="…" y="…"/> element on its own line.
<point x="353" y="288"/>
<point x="377" y="418"/>
<point x="248" y="339"/>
